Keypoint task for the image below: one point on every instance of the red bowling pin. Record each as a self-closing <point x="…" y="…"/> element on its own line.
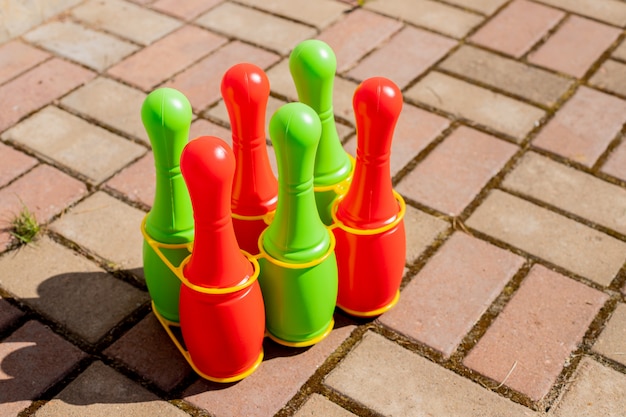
<point x="369" y="226"/>
<point x="246" y="89"/>
<point x="222" y="314"/>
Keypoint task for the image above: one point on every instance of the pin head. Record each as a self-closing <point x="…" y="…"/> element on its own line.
<point x="377" y="105"/>
<point x="295" y="131"/>
<point x="166" y="115"/>
<point x="246" y="89"/>
<point x="313" y="65"/>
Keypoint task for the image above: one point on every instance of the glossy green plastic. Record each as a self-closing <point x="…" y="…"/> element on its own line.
<point x="313" y="65"/>
<point x="298" y="266"/>
<point x="166" y="115"/>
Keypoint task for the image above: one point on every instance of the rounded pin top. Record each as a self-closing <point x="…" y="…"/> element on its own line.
<point x="166" y="115"/>
<point x="377" y="105"/>
<point x="313" y="64"/>
<point x="246" y="89"/>
<point x="295" y="131"/>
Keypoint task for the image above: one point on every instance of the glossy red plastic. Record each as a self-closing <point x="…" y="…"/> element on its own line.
<point x="222" y="316"/>
<point x="246" y="89"/>
<point x="208" y="164"/>
<point x="370" y="203"/>
<point x="369" y="226"/>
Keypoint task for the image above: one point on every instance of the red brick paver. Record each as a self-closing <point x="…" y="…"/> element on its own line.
<point x="584" y="127"/>
<point x="17" y="57"/>
<point x="33" y="359"/>
<point x="13" y="163"/>
<point x="357" y="34"/>
<point x="8" y="314"/>
<point x="37" y="87"/>
<point x="185" y="10"/>
<point x="575" y="46"/>
<point x="158" y="62"/>
<point x="455" y="172"/>
<point x="528" y="344"/>
<point x="137" y="181"/>
<point x="412" y="50"/>
<point x="616" y="164"/>
<point x="461" y="280"/>
<point x="516" y="28"/>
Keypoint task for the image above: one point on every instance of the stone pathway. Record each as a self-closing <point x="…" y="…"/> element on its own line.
<point x="510" y="152"/>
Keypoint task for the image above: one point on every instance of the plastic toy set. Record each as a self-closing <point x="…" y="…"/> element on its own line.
<point x="232" y="254"/>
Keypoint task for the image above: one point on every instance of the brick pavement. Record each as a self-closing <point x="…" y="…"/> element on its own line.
<point x="510" y="152"/>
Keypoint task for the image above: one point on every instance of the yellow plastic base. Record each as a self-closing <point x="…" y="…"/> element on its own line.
<point x="234" y="378"/>
<point x="372" y="313"/>
<point x="303" y="343"/>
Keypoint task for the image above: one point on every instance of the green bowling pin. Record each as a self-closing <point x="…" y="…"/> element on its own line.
<point x="298" y="266"/>
<point x="166" y="115"/>
<point x="313" y="65"/>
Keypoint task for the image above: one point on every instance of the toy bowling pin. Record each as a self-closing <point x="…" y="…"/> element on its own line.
<point x="298" y="266"/>
<point x="246" y="89"/>
<point x="168" y="227"/>
<point x="369" y="226"/>
<point x="221" y="307"/>
<point x="313" y="65"/>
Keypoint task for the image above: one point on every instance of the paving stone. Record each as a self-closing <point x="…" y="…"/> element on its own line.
<point x="620" y="51"/>
<point x="584" y="126"/>
<point x="357" y="34"/>
<point x="37" y="87"/>
<point x="71" y="141"/>
<point x="550" y="236"/>
<point x="19" y="17"/>
<point x="517" y="27"/>
<point x="568" y="189"/>
<point x="8" y="315"/>
<point x="317" y="405"/>
<point x="100" y="391"/>
<point x="106" y="227"/>
<point x="482" y="6"/>
<point x="33" y="359"/>
<point x="281" y="81"/>
<point x="45" y="191"/>
<point x="531" y="340"/>
<point x="96" y="50"/>
<point x="595" y="390"/>
<point x="610" y="77"/>
<point x="278" y="378"/>
<point x="610" y="11"/>
<point x="125" y="19"/>
<point x="187" y="10"/>
<point x="69" y="289"/>
<point x="202" y="127"/>
<point x="319" y="14"/>
<point x="413" y="51"/>
<point x="392" y="381"/>
<point x="13" y="163"/>
<point x="468" y="101"/>
<point x="137" y="181"/>
<point x="256" y="27"/>
<point x="201" y="82"/>
<point x="158" y="62"/>
<point x="612" y="340"/>
<point x="575" y="46"/>
<point x="421" y="231"/>
<point x="514" y="77"/>
<point x="446" y="298"/>
<point x="616" y="164"/>
<point x="416" y="128"/>
<point x="147" y="350"/>
<point x="455" y="172"/>
<point x="430" y="15"/>
<point x="17" y="57"/>
<point x="111" y="103"/>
